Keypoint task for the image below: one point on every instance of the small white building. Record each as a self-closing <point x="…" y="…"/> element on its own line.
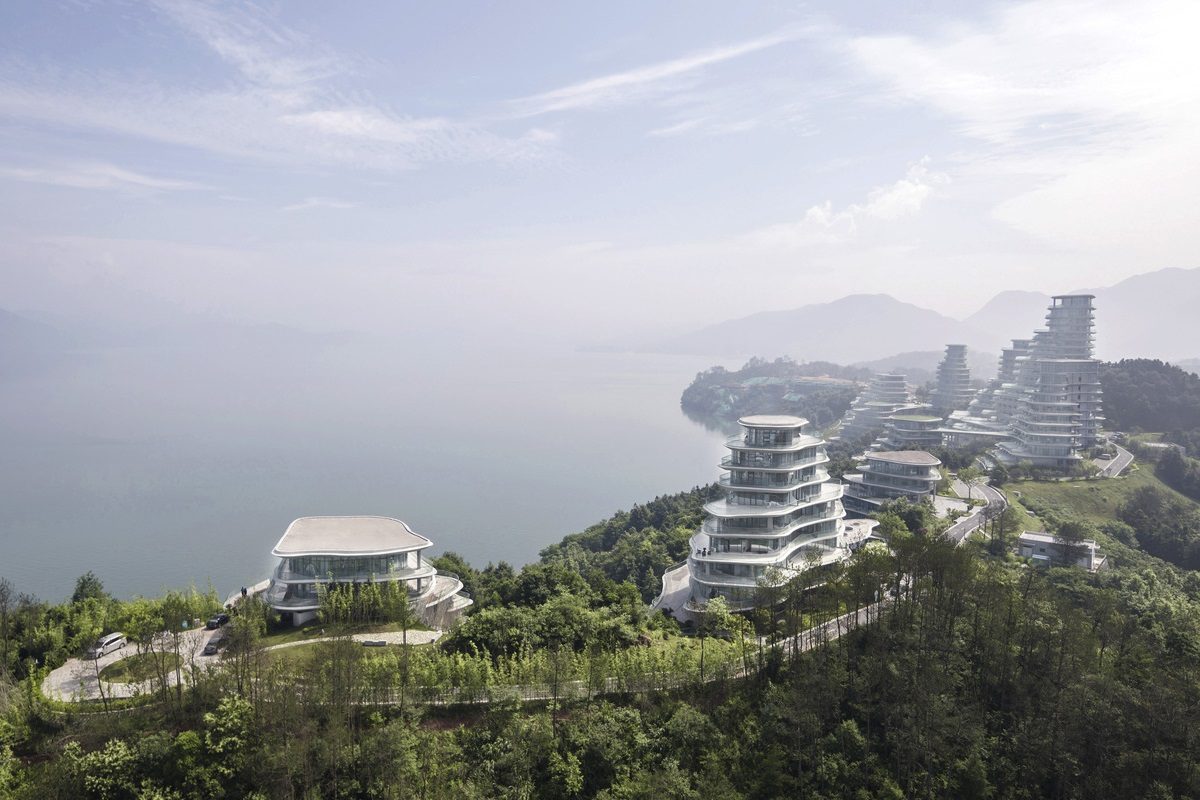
<point x="1046" y="549"/>
<point x="316" y="551"/>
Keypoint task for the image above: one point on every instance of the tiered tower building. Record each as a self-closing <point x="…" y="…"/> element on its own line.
<point x="990" y="402"/>
<point x="953" y="391"/>
<point x="867" y="416"/>
<point x="911" y="428"/>
<point x="781" y="513"/>
<point x="1054" y="406"/>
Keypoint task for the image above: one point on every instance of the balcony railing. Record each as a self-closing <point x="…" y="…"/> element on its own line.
<point x="783" y="443"/>
<point x="747" y="461"/>
<point x="411" y="573"/>
<point x="729" y="481"/>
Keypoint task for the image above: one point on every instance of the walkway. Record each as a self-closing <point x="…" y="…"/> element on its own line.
<point x="996" y="502"/>
<point x="390" y="637"/>
<point x="675" y="591"/>
<point x="76" y="679"/>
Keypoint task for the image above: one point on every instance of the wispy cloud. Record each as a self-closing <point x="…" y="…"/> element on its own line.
<point x="288" y="100"/>
<point x="264" y="52"/>
<point x="642" y="82"/>
<point x="95" y="175"/>
<point x="309" y="203"/>
<point x="678" y="129"/>
<point x="1075" y="105"/>
<point x="824" y="225"/>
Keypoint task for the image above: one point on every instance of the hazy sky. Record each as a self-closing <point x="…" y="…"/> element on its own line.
<point x="586" y="169"/>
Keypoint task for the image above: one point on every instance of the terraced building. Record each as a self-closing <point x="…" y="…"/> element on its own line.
<point x="1053" y="409"/>
<point x="781" y="513"/>
<point x="867" y="415"/>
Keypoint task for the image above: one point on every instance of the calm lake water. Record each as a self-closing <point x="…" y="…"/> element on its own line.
<point x="162" y="468"/>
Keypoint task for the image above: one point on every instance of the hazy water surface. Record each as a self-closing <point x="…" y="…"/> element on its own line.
<point x="157" y="468"/>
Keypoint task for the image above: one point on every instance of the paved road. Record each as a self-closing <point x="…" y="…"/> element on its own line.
<point x="76" y="679"/>
<point x="995" y="502"/>
<point x="1118" y="464"/>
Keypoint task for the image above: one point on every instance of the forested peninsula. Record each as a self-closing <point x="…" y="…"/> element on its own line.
<point x="819" y="391"/>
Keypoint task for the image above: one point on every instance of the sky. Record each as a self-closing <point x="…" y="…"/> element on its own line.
<point x="584" y="172"/>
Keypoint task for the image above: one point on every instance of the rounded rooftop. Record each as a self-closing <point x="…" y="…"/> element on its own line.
<point x="772" y="421"/>
<point x="917" y="458"/>
<point x="348" y="536"/>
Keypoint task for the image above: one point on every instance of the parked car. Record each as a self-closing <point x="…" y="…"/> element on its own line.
<point x="107" y="644"/>
<point x="214" y="644"/>
<point x="217" y="621"/>
<point x="374" y="643"/>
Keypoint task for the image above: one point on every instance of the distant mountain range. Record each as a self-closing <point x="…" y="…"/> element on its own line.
<point x="1152" y="315"/>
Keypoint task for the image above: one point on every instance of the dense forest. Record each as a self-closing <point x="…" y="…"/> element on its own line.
<point x="718" y="396"/>
<point x="974" y="677"/>
<point x="1143" y="394"/>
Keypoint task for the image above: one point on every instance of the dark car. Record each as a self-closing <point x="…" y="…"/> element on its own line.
<point x="214" y="644"/>
<point x="374" y="643"/>
<point x="217" y="621"/>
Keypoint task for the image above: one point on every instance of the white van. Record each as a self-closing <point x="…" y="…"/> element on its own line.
<point x="107" y="644"/>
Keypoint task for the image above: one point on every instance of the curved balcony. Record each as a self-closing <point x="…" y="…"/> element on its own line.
<point x="729" y="482"/>
<point x="830" y="514"/>
<point x="287" y="577"/>
<point x="772" y="463"/>
<point x="741" y="441"/>
<point x="805" y="557"/>
<point x="752" y="554"/>
<point x="727" y="510"/>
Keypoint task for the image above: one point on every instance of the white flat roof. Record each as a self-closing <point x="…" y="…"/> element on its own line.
<point x="772" y="421"/>
<point x="348" y="536"/>
<point x="917" y="457"/>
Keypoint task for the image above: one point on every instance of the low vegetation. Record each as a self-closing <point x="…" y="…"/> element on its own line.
<point x="139" y="668"/>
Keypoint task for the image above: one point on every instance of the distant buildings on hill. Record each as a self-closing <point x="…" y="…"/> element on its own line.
<point x="953" y="391"/>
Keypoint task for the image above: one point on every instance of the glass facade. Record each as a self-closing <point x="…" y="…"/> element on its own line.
<point x="348" y="568"/>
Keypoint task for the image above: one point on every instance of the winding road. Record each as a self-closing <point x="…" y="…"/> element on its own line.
<point x="1118" y="464"/>
<point x="996" y="502"/>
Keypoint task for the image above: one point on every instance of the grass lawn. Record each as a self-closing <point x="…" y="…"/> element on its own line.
<point x="314" y="631"/>
<point x="136" y="669"/>
<point x="1095" y="500"/>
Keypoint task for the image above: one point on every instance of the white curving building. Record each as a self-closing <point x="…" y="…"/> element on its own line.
<point x="888" y="475"/>
<point x="781" y="513"/>
<point x="316" y="551"/>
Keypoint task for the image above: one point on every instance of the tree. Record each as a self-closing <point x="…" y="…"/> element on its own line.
<point x="1073" y="534"/>
<point x="88" y="586"/>
<point x="998" y="475"/>
<point x="714" y="616"/>
<point x="6" y="600"/>
<point x="970" y="476"/>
